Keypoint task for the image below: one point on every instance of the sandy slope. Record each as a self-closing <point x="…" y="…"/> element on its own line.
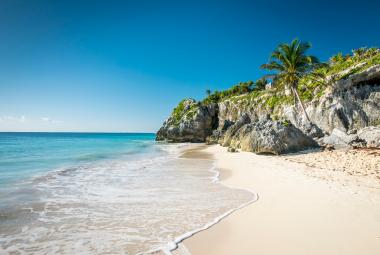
<point x="296" y="213"/>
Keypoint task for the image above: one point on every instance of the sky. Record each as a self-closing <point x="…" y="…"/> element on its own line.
<point x="121" y="66"/>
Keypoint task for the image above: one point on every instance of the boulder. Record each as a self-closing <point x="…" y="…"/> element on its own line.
<point x="272" y="137"/>
<point x="338" y="137"/>
<point x="371" y="136"/>
<point x="244" y="119"/>
<point x="366" y="137"/>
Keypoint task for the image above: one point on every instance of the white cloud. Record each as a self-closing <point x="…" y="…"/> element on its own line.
<point x="49" y="120"/>
<point x="8" y="118"/>
<point x="26" y="123"/>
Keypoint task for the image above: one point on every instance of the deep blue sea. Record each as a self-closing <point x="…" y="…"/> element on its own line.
<point x="104" y="193"/>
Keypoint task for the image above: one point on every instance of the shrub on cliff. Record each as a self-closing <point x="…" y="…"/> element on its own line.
<point x="359" y="60"/>
<point x="185" y="108"/>
<point x="237" y="89"/>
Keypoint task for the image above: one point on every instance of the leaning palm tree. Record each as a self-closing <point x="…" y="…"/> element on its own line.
<point x="291" y="63"/>
<point x="208" y="92"/>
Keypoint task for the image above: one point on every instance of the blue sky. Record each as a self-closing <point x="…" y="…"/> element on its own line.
<point x="123" y="65"/>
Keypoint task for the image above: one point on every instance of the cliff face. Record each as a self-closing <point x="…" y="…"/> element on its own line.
<point x="347" y="105"/>
<point x="189" y="122"/>
<point x="352" y="103"/>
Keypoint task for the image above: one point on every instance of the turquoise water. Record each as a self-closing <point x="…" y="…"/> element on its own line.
<point x="87" y="193"/>
<point x="23" y="155"/>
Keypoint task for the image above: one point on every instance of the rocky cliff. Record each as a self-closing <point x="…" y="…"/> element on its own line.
<point x="189" y="122"/>
<point x="347" y="105"/>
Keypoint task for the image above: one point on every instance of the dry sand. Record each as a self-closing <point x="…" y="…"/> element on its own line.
<point x="360" y="167"/>
<point x="296" y="213"/>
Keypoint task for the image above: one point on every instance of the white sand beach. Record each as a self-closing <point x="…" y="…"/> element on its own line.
<point x="298" y="210"/>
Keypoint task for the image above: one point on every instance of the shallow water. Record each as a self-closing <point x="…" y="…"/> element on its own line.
<point x="130" y="199"/>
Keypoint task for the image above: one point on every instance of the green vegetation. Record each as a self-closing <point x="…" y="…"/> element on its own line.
<point x="313" y="85"/>
<point x="238" y="89"/>
<point x="286" y="123"/>
<point x="302" y="74"/>
<point x="182" y="111"/>
<point x="242" y="88"/>
<point x="339" y="67"/>
<point x="343" y="66"/>
<point x="278" y="99"/>
<point x="261" y="83"/>
<point x="366" y="56"/>
<point x="178" y="111"/>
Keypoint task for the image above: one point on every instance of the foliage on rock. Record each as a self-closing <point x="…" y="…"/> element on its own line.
<point x="342" y="94"/>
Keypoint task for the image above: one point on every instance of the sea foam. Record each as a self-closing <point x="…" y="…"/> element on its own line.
<point x="132" y="205"/>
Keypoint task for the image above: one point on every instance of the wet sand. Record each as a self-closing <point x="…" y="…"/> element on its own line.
<point x="197" y="152"/>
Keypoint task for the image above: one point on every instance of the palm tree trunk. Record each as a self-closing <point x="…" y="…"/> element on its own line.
<point x="299" y="99"/>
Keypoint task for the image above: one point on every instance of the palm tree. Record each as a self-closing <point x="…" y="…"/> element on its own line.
<point x="291" y="63"/>
<point x="208" y="92"/>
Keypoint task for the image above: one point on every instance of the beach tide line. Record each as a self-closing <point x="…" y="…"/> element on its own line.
<point x="172" y="246"/>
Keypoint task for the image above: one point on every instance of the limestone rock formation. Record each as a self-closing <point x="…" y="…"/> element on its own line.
<point x="340" y="138"/>
<point x="366" y="137"/>
<point x="189" y="122"/>
<point x="371" y="136"/>
<point x="244" y="119"/>
<point x="273" y="137"/>
<point x="349" y="104"/>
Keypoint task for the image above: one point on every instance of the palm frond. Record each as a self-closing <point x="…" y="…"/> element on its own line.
<point x="273" y="66"/>
<point x="303" y="47"/>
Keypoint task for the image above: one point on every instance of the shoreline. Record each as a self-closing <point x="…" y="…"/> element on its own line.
<point x="197" y="151"/>
<point x="292" y="205"/>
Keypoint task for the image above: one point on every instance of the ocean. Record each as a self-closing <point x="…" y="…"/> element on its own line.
<point x="104" y="193"/>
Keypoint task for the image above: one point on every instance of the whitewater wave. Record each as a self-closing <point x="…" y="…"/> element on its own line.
<point x="128" y="205"/>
